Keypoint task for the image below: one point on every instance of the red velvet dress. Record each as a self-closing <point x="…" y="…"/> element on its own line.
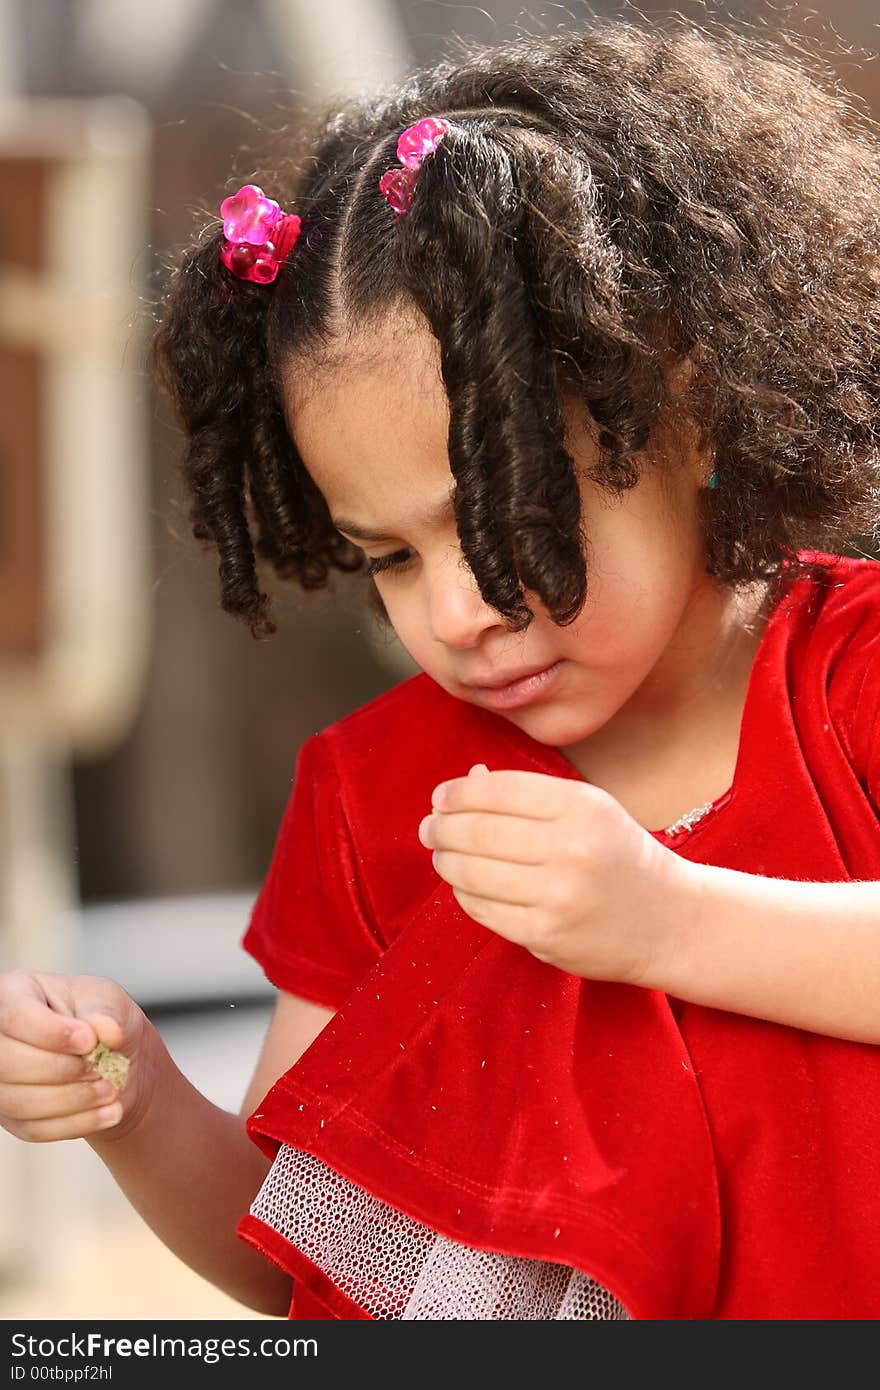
<point x="547" y="1145"/>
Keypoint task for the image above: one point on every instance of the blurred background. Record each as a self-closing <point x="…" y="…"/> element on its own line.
<point x="147" y="743"/>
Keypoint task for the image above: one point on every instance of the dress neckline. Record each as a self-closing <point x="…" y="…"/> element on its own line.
<point x="551" y="760"/>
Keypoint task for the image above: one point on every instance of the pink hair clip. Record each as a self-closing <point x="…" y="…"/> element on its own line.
<point x="398" y="185"/>
<point x="259" y="236"/>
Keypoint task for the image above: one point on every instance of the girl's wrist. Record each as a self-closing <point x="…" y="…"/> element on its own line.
<point x="677" y="936"/>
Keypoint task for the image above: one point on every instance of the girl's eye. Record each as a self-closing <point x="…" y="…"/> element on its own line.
<point x="395" y="561"/>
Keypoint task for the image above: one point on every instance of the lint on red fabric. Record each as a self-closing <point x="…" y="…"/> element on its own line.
<point x="477" y="1134"/>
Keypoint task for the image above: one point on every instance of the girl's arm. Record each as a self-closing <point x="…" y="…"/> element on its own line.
<point x="798" y="953"/>
<point x="190" y="1169"/>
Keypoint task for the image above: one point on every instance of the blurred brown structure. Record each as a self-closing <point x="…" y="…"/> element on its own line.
<point x="74" y="587"/>
<point x="21" y="549"/>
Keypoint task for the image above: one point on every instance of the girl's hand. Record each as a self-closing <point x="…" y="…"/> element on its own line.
<point x="559" y="867"/>
<point x="47" y="1023"/>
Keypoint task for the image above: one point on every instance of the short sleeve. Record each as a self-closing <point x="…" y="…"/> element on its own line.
<point x="308" y="928"/>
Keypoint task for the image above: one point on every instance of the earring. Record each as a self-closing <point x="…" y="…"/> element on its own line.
<point x="716" y="476"/>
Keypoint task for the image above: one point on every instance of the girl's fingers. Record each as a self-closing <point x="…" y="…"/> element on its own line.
<point x="29" y="1018"/>
<point x="68" y="1127"/>
<point x="511" y="838"/>
<point x="52" y="1102"/>
<point x="489" y="878"/>
<point x="23" y="1064"/>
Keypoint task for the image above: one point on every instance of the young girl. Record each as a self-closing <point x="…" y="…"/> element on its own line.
<point x="577" y="340"/>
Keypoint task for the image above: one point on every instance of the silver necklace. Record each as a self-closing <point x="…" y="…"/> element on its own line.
<point x="689" y="819"/>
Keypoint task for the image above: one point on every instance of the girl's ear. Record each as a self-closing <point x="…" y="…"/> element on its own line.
<point x="679" y="376"/>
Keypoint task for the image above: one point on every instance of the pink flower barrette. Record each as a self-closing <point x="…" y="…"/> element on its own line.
<point x="398" y="185"/>
<point x="259" y="236"/>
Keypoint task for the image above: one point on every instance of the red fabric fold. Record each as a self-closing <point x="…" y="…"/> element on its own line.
<point x="484" y="1137"/>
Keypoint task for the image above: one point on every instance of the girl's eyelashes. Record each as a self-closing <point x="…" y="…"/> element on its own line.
<point x="395" y="561"/>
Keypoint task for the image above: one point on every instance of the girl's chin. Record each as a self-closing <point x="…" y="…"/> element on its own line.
<point x="555" y="723"/>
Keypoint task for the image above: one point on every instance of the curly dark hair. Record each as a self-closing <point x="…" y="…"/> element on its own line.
<point x="606" y="202"/>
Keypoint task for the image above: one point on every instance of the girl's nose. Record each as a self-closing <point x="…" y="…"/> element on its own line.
<point x="457" y="612"/>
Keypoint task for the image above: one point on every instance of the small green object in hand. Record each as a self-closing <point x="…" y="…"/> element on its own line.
<point x="113" y="1066"/>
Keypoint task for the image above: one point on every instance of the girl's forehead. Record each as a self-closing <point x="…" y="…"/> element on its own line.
<point x="377" y="454"/>
<point x="370" y="396"/>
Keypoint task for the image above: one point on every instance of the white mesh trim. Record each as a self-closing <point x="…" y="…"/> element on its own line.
<point x="395" y="1268"/>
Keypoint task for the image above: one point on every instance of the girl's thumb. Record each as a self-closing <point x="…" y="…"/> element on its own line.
<point x="107" y="1030"/>
<point x="478" y="767"/>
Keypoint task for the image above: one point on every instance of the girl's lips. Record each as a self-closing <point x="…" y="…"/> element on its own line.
<point x="521" y="692"/>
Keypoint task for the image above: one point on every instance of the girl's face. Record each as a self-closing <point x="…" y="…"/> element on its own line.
<point x="372" y="432"/>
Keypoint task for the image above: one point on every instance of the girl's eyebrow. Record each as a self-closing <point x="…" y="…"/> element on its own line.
<point x="363" y="533"/>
